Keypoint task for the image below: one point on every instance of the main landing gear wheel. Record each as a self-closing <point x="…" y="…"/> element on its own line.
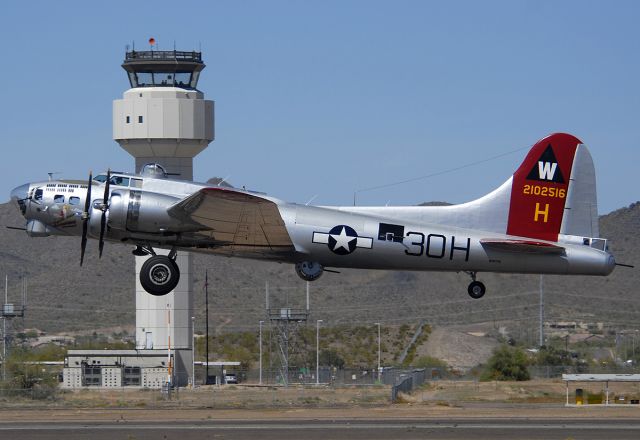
<point x="476" y="290"/>
<point x="159" y="275"/>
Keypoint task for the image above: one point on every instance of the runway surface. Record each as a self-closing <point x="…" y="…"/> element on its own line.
<point x="449" y="429"/>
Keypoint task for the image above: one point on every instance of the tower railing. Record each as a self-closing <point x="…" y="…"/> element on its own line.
<point x="164" y="55"/>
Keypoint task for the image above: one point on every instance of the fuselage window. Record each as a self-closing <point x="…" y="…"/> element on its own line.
<point x="136" y="183"/>
<point x="58" y="198"/>
<point x="119" y="181"/>
<point x="74" y="200"/>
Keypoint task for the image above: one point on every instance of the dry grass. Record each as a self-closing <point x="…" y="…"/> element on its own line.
<point x="228" y="397"/>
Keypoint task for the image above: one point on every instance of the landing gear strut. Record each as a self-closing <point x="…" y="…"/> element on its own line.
<point x="476" y="289"/>
<point x="160" y="274"/>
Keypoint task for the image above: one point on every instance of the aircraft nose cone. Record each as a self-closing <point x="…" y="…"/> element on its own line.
<point x="19" y="195"/>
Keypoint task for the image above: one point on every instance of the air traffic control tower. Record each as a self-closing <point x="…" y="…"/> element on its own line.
<point x="163" y="118"/>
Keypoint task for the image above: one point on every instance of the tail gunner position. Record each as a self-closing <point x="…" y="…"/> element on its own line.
<point x="542" y="220"/>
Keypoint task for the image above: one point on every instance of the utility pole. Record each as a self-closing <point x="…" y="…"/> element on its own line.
<point x="193" y="352"/>
<point x="260" y="339"/>
<point x="541" y="311"/>
<point x="4" y="328"/>
<point x="318" y="351"/>
<point x="169" y="365"/>
<point x="206" y="311"/>
<point x="378" y="324"/>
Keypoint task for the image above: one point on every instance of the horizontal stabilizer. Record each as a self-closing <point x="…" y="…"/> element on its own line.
<point x="522" y="246"/>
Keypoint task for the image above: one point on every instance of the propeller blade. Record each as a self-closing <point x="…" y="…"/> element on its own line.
<point x="103" y="219"/>
<point x="83" y="244"/>
<point x="85" y="219"/>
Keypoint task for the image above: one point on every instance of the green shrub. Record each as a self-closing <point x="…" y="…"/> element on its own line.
<point x="430" y="362"/>
<point x="507" y="363"/>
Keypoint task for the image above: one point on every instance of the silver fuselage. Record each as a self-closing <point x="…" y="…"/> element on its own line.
<point x="410" y="238"/>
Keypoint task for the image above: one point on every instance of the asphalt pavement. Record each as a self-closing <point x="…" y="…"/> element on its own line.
<point x="356" y="429"/>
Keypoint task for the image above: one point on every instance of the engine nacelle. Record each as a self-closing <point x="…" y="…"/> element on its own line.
<point x="309" y="270"/>
<point x="138" y="211"/>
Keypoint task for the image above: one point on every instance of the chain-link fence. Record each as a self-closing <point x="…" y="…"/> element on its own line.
<point x="405" y="381"/>
<point x="34" y="393"/>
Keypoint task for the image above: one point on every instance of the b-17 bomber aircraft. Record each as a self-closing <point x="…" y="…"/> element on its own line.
<point x="542" y="220"/>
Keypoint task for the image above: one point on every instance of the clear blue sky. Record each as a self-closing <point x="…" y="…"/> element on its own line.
<point x="328" y="97"/>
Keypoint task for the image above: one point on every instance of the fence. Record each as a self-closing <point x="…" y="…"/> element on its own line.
<point x="405" y="381"/>
<point x="34" y="393"/>
<point x="390" y="376"/>
<point x="306" y="376"/>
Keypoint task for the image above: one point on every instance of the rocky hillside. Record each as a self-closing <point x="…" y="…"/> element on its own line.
<point x="65" y="296"/>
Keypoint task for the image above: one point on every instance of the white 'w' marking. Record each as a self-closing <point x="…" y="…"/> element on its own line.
<point x="546" y="170"/>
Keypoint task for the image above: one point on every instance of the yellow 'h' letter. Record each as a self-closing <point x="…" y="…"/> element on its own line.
<point x="545" y="213"/>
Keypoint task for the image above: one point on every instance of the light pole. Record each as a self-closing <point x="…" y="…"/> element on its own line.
<point x="378" y="324"/>
<point x="318" y="351"/>
<point x="260" y="380"/>
<point x="193" y="351"/>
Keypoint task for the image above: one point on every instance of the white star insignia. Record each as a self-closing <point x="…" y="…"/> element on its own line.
<point x="343" y="240"/>
<point x="343" y="243"/>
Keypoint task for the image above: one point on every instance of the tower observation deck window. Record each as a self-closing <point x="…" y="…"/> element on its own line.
<point x="169" y="68"/>
<point x="163" y="79"/>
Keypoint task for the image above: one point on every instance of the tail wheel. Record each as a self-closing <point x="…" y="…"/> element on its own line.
<point x="476" y="290"/>
<point x="159" y="275"/>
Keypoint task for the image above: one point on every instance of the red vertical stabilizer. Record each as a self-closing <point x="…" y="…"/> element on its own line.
<point x="540" y="187"/>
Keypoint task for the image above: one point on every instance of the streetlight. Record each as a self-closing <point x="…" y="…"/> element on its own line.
<point x="378" y="324"/>
<point x="261" y="322"/>
<point x="318" y="351"/>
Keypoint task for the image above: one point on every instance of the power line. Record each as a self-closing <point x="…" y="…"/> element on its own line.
<point x="439" y="173"/>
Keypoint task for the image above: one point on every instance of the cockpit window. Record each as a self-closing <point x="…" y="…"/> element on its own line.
<point x="38" y="195"/>
<point x="58" y="198"/>
<point x="74" y="200"/>
<point x="100" y="178"/>
<point x="120" y="181"/>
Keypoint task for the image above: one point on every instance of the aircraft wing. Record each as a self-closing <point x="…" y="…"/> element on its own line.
<point x="235" y="218"/>
<point x="522" y="246"/>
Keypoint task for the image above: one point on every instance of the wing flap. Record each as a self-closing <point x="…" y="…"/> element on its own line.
<point x="235" y="217"/>
<point x="522" y="246"/>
